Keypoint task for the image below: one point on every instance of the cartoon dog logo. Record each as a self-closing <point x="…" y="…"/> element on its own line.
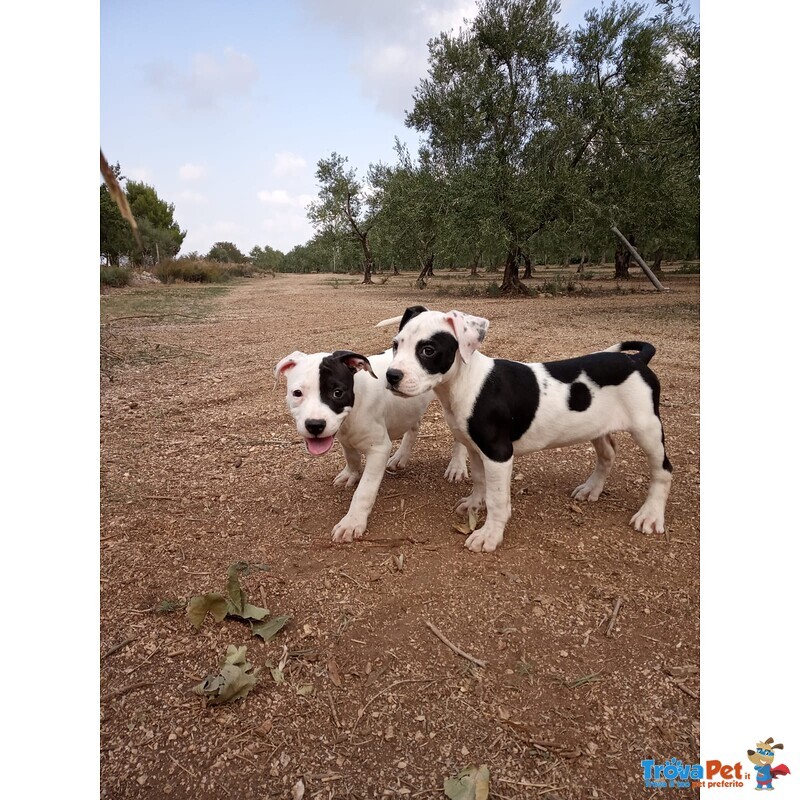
<point x="762" y="757"/>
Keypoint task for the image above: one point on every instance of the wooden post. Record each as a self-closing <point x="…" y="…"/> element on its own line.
<point x="640" y="261"/>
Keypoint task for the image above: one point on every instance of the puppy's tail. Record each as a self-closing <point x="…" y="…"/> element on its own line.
<point x="645" y="351"/>
<point x="386" y="322"/>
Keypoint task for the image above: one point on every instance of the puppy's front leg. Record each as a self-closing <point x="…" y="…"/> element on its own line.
<point x="476" y="500"/>
<point x="457" y="468"/>
<point x="352" y="472"/>
<point x="354" y="522"/>
<point x="498" y="505"/>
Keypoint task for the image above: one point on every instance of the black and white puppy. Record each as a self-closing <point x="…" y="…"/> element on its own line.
<point x="500" y="409"/>
<point x="345" y="395"/>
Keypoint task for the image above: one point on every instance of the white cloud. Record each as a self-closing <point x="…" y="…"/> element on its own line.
<point x="286" y="163"/>
<point x="192" y="172"/>
<point x="195" y="198"/>
<point x="209" y="81"/>
<point x="280" y="197"/>
<point x="284" y="228"/>
<point x="390" y="40"/>
<point x="141" y="174"/>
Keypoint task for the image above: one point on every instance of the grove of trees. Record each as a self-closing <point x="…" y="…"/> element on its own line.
<point x="535" y="141"/>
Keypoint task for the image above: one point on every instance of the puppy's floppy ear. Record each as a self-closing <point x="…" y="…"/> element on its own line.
<point x="354" y="361"/>
<point x="410" y="313"/>
<point x="469" y="331"/>
<point x="288" y="363"/>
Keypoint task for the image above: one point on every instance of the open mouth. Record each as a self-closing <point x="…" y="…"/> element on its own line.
<point x="320" y="445"/>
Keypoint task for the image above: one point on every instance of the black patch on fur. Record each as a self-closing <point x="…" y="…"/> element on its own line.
<point x="504" y="409"/>
<point x="604" y="369"/>
<point x="335" y="375"/>
<point x="580" y="398"/>
<point x="445" y="349"/>
<point x="410" y="313"/>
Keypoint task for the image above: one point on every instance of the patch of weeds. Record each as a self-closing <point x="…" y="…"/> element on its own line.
<point x="524" y="667"/>
<point x="493" y="289"/>
<point x="688" y="268"/>
<point x="559" y="285"/>
<point x="170" y="606"/>
<point x="114" y="276"/>
<point x="161" y="301"/>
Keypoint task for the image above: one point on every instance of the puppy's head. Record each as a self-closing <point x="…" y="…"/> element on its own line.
<point x="430" y="346"/>
<point x="320" y="392"/>
<point x="764" y="752"/>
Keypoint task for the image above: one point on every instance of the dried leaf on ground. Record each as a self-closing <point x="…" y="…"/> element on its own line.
<point x="267" y="630"/>
<point x="233" y="681"/>
<point x="472" y="783"/>
<point x="298" y="790"/>
<point x="200" y="605"/>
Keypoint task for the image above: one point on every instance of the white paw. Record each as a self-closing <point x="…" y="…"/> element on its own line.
<point x="398" y="461"/>
<point x="482" y="541"/>
<point x="648" y="520"/>
<point x="456" y="471"/>
<point x="472" y="502"/>
<point x="346" y="478"/>
<point x="588" y="491"/>
<point x="348" y="528"/>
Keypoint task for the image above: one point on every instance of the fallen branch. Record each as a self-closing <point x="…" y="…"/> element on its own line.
<point x="614" y="613"/>
<point x="112" y="650"/>
<point x="457" y="650"/>
<point x="125" y="690"/>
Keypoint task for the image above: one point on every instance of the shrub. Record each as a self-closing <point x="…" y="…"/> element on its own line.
<point x="114" y="276"/>
<point x="191" y="270"/>
<point x="688" y="269"/>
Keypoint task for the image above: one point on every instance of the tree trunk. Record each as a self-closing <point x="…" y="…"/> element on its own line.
<point x="658" y="257"/>
<point x="528" y="266"/>
<point x="427" y="269"/>
<point x="369" y="263"/>
<point x="395" y="271"/>
<point x="622" y="260"/>
<point x="511" y="282"/>
<point x="583" y="262"/>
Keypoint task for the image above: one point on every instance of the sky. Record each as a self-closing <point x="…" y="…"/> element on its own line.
<point x="226" y="107"/>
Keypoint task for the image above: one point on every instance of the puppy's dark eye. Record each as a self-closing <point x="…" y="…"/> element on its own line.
<point x="337" y="393"/>
<point x="428" y="351"/>
<point x="297" y="393"/>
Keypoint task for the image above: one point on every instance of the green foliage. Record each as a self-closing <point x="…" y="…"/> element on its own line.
<point x="194" y="270"/>
<point x="226" y="253"/>
<point x="267" y="258"/>
<point x="161" y="234"/>
<point x="114" y="276"/>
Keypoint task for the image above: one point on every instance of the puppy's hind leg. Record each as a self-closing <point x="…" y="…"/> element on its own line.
<point x="606" y="449"/>
<point x="650" y="517"/>
<point x="403" y="455"/>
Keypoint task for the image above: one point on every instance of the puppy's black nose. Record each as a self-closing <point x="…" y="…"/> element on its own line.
<point x="394" y="376"/>
<point x="315" y="426"/>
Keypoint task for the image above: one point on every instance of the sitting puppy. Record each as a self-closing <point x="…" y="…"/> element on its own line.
<point x="344" y="395"/>
<point x="500" y="409"/>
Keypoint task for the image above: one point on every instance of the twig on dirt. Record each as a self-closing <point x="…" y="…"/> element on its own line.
<point x="180" y="766"/>
<point x="333" y="710"/>
<point x="151" y="316"/>
<point x="124" y="690"/>
<point x="374" y="697"/>
<point x="116" y="647"/>
<point x="131" y="670"/>
<point x="613" y="620"/>
<point x="357" y="583"/>
<point x="457" y="650"/>
<point x="686" y="689"/>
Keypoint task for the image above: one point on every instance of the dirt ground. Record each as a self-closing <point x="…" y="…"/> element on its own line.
<point x="201" y="467"/>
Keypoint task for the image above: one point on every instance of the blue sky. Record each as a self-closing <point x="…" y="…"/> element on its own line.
<point x="226" y="107"/>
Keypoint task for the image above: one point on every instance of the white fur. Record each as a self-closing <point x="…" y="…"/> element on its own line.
<point x="376" y="418"/>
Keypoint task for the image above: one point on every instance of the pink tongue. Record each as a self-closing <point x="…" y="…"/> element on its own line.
<point x="319" y="446"/>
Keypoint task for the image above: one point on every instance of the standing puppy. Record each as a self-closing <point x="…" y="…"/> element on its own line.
<point x="500" y="408"/>
<point x="344" y="395"/>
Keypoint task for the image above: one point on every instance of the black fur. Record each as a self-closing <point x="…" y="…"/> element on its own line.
<point x="504" y="409"/>
<point x="410" y="313"/>
<point x="334" y="374"/>
<point x="580" y="398"/>
<point x="445" y="347"/>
